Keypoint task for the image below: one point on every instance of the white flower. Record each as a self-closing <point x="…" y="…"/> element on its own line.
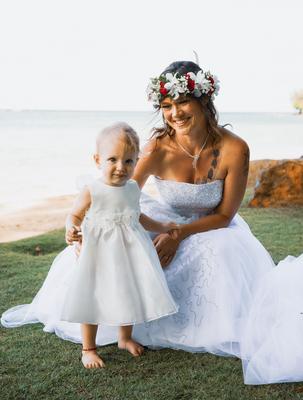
<point x="216" y="84"/>
<point x="153" y="90"/>
<point x="175" y="85"/>
<point x="203" y="85"/>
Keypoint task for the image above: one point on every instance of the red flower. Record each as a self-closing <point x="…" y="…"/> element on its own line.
<point x="211" y="80"/>
<point x="190" y="83"/>
<point x="163" y="90"/>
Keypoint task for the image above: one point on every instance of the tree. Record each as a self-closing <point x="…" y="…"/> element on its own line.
<point x="297" y="101"/>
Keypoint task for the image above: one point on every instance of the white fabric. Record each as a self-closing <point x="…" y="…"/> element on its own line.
<point x="272" y="346"/>
<point x="222" y="283"/>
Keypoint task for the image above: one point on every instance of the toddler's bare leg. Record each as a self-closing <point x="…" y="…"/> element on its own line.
<point x="126" y="342"/>
<point x="90" y="358"/>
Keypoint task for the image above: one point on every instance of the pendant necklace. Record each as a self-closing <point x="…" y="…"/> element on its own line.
<point x="196" y="156"/>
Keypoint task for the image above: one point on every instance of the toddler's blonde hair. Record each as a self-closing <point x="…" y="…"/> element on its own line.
<point x="119" y="128"/>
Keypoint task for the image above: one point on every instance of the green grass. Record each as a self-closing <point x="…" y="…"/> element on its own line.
<point x="37" y="365"/>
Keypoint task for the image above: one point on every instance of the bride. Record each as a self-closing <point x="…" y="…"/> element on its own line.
<point x="215" y="266"/>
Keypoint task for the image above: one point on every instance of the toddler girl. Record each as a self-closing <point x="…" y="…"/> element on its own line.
<point x="117" y="279"/>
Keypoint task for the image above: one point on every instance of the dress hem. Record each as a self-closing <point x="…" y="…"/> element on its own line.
<point x="145" y="320"/>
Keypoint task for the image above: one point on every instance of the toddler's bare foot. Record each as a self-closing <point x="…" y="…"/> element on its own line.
<point x="131" y="346"/>
<point x="90" y="359"/>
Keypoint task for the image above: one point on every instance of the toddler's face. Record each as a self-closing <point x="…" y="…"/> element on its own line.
<point x="117" y="160"/>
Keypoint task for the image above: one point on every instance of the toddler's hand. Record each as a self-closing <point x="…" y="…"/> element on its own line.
<point x="168" y="226"/>
<point x="172" y="229"/>
<point x="73" y="234"/>
<point x="174" y="233"/>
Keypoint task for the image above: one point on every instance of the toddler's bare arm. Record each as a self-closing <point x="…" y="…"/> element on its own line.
<point x="75" y="218"/>
<point x="155" y="226"/>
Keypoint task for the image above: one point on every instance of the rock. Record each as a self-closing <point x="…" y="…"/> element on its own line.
<point x="256" y="167"/>
<point x="280" y="185"/>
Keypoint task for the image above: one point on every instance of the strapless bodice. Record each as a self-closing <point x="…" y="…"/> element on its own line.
<point x="188" y="199"/>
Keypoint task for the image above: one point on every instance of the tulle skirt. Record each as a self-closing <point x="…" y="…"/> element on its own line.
<point x="117" y="279"/>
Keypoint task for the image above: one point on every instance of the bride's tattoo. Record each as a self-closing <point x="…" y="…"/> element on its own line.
<point x="211" y="172"/>
<point x="246" y="163"/>
<point x="213" y="164"/>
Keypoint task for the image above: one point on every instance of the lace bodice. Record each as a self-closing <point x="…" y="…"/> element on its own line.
<point x="188" y="199"/>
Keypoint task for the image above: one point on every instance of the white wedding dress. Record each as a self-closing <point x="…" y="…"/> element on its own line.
<point x="215" y="279"/>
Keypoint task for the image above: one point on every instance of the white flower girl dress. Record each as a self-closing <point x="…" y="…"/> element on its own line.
<point x="117" y="280"/>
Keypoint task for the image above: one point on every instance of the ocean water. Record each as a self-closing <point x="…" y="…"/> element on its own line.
<point x="43" y="152"/>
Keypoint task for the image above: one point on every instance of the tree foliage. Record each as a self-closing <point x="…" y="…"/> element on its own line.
<point x="297" y="101"/>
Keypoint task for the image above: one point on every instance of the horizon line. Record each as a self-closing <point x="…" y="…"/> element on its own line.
<point x="131" y="111"/>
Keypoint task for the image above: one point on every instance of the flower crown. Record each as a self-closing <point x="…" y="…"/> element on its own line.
<point x="174" y="85"/>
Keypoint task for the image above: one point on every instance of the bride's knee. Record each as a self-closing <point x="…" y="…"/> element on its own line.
<point x="220" y="241"/>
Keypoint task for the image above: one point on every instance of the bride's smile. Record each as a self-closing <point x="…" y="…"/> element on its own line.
<point x="184" y="115"/>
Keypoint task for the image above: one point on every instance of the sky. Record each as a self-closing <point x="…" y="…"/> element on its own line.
<point x="99" y="55"/>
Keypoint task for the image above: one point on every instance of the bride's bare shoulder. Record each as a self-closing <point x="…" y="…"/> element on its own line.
<point x="151" y="160"/>
<point x="232" y="144"/>
<point x="234" y="151"/>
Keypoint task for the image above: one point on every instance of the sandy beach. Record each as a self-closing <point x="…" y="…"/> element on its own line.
<point x="45" y="216"/>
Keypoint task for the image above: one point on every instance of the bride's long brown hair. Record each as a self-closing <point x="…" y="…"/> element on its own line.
<point x="207" y="105"/>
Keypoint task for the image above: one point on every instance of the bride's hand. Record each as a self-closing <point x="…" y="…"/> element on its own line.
<point x="166" y="247"/>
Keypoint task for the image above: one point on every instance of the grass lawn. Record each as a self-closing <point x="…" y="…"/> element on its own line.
<point x="37" y="365"/>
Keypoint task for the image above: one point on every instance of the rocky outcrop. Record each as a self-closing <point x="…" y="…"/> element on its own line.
<point x="256" y="168"/>
<point x="278" y="185"/>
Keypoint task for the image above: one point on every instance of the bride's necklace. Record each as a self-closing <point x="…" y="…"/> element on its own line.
<point x="196" y="156"/>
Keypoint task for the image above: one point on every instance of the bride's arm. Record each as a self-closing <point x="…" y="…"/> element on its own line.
<point x="152" y="161"/>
